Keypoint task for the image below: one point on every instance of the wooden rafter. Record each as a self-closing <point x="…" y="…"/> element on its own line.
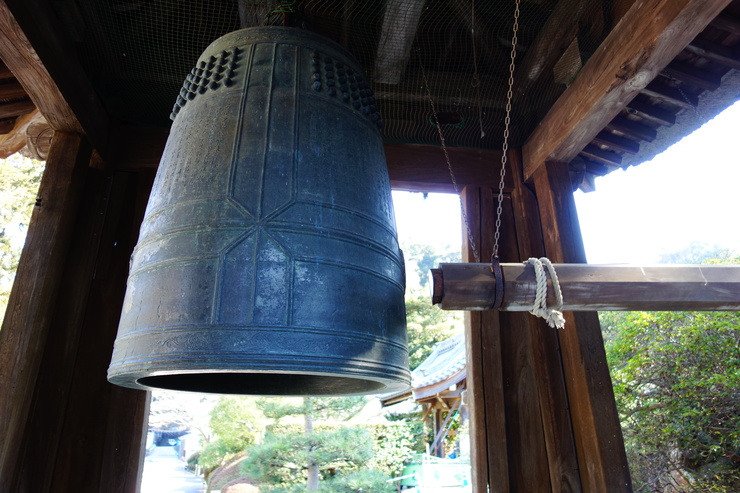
<point x="647" y="38"/>
<point x="396" y="37"/>
<point x="42" y="61"/>
<point x="551" y="42"/>
<point x="714" y="52"/>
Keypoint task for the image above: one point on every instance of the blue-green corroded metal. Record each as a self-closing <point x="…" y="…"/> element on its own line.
<point x="268" y="261"/>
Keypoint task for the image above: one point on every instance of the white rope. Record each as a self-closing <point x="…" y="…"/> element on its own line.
<point x="552" y="315"/>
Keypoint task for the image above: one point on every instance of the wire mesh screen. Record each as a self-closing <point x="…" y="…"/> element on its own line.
<point x="450" y="55"/>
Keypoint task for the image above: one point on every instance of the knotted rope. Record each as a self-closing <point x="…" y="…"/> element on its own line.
<point x="552" y="315"/>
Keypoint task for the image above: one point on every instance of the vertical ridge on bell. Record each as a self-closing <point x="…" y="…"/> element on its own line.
<point x="271" y="213"/>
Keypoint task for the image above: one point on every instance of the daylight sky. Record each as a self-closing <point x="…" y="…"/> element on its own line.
<point x="690" y="193"/>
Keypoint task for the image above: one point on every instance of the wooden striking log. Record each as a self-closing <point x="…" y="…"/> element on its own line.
<point x="592" y="287"/>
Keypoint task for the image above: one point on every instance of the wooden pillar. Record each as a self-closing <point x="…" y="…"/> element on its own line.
<point x="508" y="448"/>
<point x="598" y="435"/>
<point x="542" y="410"/>
<point x="68" y="429"/>
<point x="28" y="317"/>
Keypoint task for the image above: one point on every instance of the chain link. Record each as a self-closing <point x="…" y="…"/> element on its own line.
<point x="507" y="123"/>
<point x="471" y="240"/>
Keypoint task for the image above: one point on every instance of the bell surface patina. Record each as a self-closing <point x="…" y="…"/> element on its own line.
<point x="268" y="261"/>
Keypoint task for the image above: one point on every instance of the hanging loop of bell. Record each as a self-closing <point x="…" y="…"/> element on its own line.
<point x="268" y="261"/>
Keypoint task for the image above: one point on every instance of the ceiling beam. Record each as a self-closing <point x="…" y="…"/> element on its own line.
<point x="550" y="44"/>
<point x="44" y="63"/>
<point x="400" y="21"/>
<point x="647" y="38"/>
<point x="423" y="168"/>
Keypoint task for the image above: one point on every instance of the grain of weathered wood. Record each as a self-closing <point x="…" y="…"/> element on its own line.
<point x="15" y="140"/>
<point x="12" y="90"/>
<point x="651" y="113"/>
<point x="607" y="157"/>
<point x="727" y="22"/>
<point x="632" y="128"/>
<point x="528" y="467"/>
<point x="30" y="308"/>
<point x="42" y="61"/>
<point x="595" y="287"/>
<point x="715" y="52"/>
<point x="597" y="431"/>
<point x="5" y="72"/>
<point x="108" y="420"/>
<point x="423" y="168"/>
<point x="685" y="72"/>
<point x="671" y="95"/>
<point x="562" y="462"/>
<point x="647" y="38"/>
<point x="476" y="348"/>
<point x="400" y="20"/>
<point x="616" y="142"/>
<point x="52" y="388"/>
<point x="16" y="108"/>
<point x="553" y="39"/>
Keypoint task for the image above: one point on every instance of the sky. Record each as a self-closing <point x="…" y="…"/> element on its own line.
<point x="688" y="194"/>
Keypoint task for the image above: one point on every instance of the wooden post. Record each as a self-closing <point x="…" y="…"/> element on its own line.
<point x="508" y="436"/>
<point x="77" y="432"/>
<point x="30" y="309"/>
<point x="598" y="435"/>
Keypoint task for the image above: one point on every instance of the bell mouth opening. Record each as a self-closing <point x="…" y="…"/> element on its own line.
<point x="263" y="384"/>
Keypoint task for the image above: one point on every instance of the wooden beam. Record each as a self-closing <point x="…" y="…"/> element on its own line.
<point x="598" y="154"/>
<point x="553" y="39"/>
<point x="728" y="23"/>
<point x="12" y="90"/>
<point x="30" y="308"/>
<point x="423" y="168"/>
<point x="647" y="38"/>
<point x="593" y="287"/>
<point x="43" y="61"/>
<point x="562" y="462"/>
<point x="714" y="52"/>
<point x="5" y="72"/>
<point x="616" y="142"/>
<point x="670" y="95"/>
<point x="650" y="112"/>
<point x="632" y="128"/>
<point x="689" y="74"/>
<point x="413" y="90"/>
<point x="16" y="139"/>
<point x="400" y="20"/>
<point x="16" y="108"/>
<point x="598" y="436"/>
<point x="6" y="126"/>
<point x="484" y="361"/>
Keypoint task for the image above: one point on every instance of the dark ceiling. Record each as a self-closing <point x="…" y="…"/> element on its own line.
<point x="138" y="52"/>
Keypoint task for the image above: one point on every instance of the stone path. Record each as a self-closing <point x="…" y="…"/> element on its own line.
<point x="164" y="472"/>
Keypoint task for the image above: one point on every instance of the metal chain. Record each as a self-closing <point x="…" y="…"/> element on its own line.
<point x="476" y="256"/>
<point x="507" y="123"/>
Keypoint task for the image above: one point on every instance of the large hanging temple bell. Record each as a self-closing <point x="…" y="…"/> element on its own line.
<point x="268" y="261"/>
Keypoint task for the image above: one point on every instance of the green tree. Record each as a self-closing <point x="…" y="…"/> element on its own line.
<point x="19" y="183"/>
<point x="676" y="379"/>
<point x="427" y="324"/>
<point x="427" y="257"/>
<point x="293" y="457"/>
<point x="237" y="423"/>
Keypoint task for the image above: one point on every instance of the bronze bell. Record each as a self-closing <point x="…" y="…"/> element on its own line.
<point x="268" y="261"/>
